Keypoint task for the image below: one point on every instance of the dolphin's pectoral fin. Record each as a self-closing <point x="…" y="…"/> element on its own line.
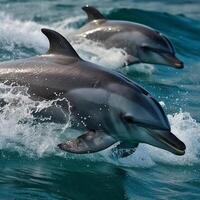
<point x="90" y="142"/>
<point x="123" y="150"/>
<point x="92" y="13"/>
<point x="58" y="44"/>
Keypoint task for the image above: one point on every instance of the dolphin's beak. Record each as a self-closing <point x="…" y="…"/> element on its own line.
<point x="168" y="141"/>
<point x="173" y="61"/>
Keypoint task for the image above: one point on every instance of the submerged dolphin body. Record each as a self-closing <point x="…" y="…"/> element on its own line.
<point x="106" y="105"/>
<point x="142" y="44"/>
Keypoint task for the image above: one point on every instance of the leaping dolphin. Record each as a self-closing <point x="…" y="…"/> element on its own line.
<point x="105" y="105"/>
<point x="142" y="43"/>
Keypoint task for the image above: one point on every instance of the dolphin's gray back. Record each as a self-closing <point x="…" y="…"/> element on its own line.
<point x="121" y="34"/>
<point x="49" y="73"/>
<point x="94" y="29"/>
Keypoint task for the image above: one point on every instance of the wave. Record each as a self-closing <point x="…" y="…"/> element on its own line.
<point x="16" y="35"/>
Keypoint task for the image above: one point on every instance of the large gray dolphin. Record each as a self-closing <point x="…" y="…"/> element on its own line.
<point x="105" y="105"/>
<point x="142" y="44"/>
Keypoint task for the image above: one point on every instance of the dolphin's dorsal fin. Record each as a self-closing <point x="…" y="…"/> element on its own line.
<point x="58" y="44"/>
<point x="92" y="13"/>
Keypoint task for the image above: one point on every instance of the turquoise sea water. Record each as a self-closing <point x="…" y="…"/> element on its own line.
<point x="31" y="166"/>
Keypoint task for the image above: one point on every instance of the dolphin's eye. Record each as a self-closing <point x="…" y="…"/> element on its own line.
<point x="128" y="118"/>
<point x="148" y="48"/>
<point x="145" y="47"/>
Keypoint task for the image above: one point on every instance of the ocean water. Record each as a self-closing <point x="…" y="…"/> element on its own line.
<point x="32" y="167"/>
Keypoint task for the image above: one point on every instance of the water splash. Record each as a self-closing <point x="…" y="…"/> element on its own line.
<point x="18" y="130"/>
<point x="94" y="52"/>
<point x="15" y="32"/>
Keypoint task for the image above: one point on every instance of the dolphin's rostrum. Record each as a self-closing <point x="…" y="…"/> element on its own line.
<point x="107" y="106"/>
<point x="142" y="44"/>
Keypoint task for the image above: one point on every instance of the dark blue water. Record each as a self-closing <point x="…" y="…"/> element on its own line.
<point x="32" y="167"/>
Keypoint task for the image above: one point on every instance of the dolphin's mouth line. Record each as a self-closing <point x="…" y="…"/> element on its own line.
<point x="179" y="151"/>
<point x="168" y="143"/>
<point x="174" y="60"/>
<point x="169" y="56"/>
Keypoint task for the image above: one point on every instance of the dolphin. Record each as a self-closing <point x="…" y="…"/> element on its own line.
<point x="142" y="43"/>
<point x="106" y="106"/>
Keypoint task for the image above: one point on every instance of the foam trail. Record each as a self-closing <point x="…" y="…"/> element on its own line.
<point x="113" y="58"/>
<point x="94" y="52"/>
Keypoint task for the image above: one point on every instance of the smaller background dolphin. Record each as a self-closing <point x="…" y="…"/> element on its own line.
<point x="142" y="44"/>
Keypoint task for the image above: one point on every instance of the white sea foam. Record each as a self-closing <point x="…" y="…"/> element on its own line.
<point x="18" y="130"/>
<point x="96" y="53"/>
<point x="28" y="33"/>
